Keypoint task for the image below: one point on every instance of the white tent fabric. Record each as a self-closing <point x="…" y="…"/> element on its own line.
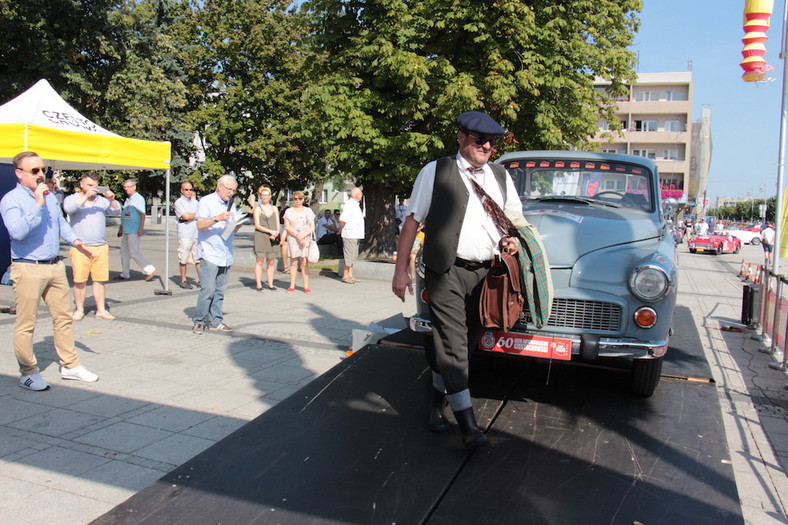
<point x="40" y="120"/>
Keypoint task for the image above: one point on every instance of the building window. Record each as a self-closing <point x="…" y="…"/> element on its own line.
<point x="648" y="153"/>
<point x="604" y="125"/>
<point x="646" y="125"/>
<point x="647" y="96"/>
<point x="672" y="125"/>
<point x="677" y="95"/>
<point x="672" y="182"/>
<point x="323" y="196"/>
<point x="671" y="154"/>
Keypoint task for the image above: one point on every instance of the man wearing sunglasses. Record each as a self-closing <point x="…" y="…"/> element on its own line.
<point x="36" y="224"/>
<point x="186" y="212"/>
<point x="461" y="240"/>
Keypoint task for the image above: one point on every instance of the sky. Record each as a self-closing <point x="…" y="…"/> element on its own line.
<point x="745" y="116"/>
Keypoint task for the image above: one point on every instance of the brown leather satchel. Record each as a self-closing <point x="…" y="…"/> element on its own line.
<point x="501" y="302"/>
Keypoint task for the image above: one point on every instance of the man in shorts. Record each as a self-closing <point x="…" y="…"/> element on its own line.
<point x="351" y="229"/>
<point x="186" y="211"/>
<point x="86" y="211"/>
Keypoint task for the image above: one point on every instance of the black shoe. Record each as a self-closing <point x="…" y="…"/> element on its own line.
<point x="186" y="286"/>
<point x="437" y="421"/>
<point x="472" y="435"/>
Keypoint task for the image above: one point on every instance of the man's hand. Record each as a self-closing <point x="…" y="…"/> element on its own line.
<point x="38" y="194"/>
<point x="401" y="282"/>
<point x="510" y="245"/>
<point x="79" y="246"/>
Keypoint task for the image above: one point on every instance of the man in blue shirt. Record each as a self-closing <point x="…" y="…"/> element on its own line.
<point x="36" y="224"/>
<point x="216" y="229"/>
<point x="132" y="223"/>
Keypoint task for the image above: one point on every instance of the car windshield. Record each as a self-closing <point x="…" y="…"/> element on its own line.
<point x="588" y="181"/>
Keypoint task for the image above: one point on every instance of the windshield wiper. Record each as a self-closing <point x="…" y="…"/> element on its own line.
<point x="575" y="199"/>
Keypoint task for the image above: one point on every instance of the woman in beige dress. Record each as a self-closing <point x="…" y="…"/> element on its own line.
<point x="266" y="229"/>
<point x="300" y="226"/>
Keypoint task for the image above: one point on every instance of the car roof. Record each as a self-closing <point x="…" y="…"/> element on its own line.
<point x="579" y="155"/>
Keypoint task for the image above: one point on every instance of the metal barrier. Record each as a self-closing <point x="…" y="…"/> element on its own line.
<point x="772" y="315"/>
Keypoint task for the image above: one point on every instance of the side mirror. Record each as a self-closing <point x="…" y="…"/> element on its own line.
<point x="669" y="206"/>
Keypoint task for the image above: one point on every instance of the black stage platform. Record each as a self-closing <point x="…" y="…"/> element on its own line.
<point x="569" y="446"/>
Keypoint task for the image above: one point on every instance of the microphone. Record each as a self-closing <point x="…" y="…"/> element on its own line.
<point x="40" y="180"/>
<point x="229" y="204"/>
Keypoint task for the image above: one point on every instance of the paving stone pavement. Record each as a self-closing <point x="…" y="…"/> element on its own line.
<point x="71" y="454"/>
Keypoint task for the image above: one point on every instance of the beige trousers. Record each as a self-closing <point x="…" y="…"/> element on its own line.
<point x="31" y="283"/>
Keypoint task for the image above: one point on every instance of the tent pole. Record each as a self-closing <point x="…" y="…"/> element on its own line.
<point x="167" y="229"/>
<point x="166" y="279"/>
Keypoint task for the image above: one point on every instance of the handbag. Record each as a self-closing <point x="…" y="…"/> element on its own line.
<point x="501" y="301"/>
<point x="313" y="255"/>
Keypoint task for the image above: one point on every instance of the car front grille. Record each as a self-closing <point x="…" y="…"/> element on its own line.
<point x="581" y="314"/>
<point x="702" y="245"/>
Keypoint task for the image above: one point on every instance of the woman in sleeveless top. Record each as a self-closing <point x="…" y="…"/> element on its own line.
<point x="299" y="225"/>
<point x="266" y="229"/>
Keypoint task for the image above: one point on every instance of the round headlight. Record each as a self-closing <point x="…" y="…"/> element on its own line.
<point x="649" y="283"/>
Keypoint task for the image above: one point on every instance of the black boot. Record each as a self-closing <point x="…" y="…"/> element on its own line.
<point x="438" y="422"/>
<point x="472" y="436"/>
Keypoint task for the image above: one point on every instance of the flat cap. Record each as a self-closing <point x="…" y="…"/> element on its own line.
<point x="480" y="123"/>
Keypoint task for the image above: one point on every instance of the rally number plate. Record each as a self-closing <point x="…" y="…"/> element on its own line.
<point x="522" y="344"/>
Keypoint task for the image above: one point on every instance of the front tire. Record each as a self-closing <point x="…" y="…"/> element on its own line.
<point x="755" y="241"/>
<point x="645" y="377"/>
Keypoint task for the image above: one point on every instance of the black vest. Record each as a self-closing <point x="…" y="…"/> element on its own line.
<point x="447" y="210"/>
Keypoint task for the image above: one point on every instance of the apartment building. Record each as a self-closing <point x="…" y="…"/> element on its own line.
<point x="656" y="119"/>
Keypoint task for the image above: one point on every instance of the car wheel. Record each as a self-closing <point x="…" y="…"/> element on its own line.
<point x="755" y="241"/>
<point x="692" y="250"/>
<point x="645" y="376"/>
<point x="737" y="249"/>
<point x="718" y="250"/>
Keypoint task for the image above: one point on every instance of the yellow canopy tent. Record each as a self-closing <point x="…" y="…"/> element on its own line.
<point x="40" y="120"/>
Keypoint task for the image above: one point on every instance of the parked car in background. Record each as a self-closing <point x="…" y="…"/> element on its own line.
<point x="612" y="258"/>
<point x="751" y="235"/>
<point x="715" y="244"/>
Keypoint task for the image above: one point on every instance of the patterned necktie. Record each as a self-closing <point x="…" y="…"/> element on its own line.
<point x="491" y="207"/>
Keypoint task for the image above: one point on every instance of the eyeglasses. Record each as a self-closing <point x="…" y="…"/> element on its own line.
<point x="188" y="189"/>
<point x="481" y="140"/>
<point x="298" y="198"/>
<point x="35" y="171"/>
<point x="232" y="190"/>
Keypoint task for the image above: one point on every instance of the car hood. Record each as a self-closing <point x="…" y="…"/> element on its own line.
<point x="570" y="231"/>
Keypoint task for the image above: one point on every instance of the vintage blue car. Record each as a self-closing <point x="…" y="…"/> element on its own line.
<point x="612" y="259"/>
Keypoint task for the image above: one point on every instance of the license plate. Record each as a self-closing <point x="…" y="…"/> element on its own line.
<point x="700" y="249"/>
<point x="530" y="345"/>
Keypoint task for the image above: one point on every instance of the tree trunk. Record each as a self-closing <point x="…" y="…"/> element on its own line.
<point x="380" y="228"/>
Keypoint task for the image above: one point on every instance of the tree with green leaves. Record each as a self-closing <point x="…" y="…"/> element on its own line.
<point x="394" y="74"/>
<point x="246" y="70"/>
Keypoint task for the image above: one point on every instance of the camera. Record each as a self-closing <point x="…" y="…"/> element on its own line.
<point x="101" y="190"/>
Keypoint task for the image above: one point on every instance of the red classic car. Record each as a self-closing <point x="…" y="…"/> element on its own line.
<point x="715" y="244"/>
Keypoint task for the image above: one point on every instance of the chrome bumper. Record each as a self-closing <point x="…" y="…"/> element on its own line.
<point x="607" y="346"/>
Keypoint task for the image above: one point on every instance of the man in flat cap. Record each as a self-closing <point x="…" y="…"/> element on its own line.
<point x="460" y="243"/>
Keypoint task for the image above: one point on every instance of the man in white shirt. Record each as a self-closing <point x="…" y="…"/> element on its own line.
<point x="767" y="241"/>
<point x="215" y="214"/>
<point x="186" y="212"/>
<point x="461" y="240"/>
<point x="351" y="228"/>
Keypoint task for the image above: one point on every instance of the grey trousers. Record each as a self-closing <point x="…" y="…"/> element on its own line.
<point x="454" y="312"/>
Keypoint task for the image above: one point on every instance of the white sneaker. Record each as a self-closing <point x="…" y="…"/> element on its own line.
<point x="79" y="373"/>
<point x="33" y="382"/>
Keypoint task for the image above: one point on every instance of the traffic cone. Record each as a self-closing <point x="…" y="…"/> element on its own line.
<point x="742" y="268"/>
<point x="749" y="272"/>
<point x="757" y="279"/>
